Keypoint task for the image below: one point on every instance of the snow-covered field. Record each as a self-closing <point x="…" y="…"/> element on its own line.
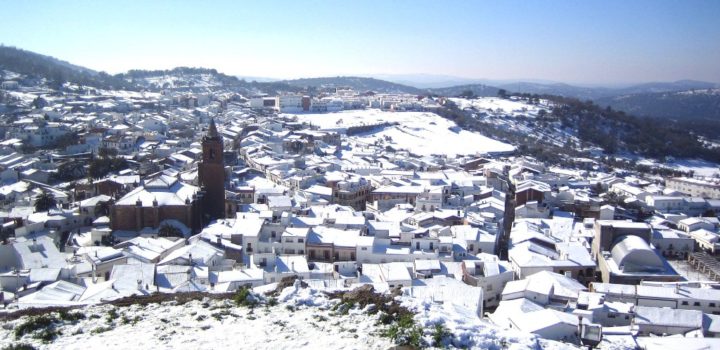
<point x="303" y="318"/>
<point x="422" y="133"/>
<point x="697" y="166"/>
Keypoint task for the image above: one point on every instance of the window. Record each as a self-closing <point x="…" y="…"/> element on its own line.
<point x="697" y="303"/>
<point x="684" y="303"/>
<point x="712" y="304"/>
<point x="364" y="248"/>
<point x="300" y="240"/>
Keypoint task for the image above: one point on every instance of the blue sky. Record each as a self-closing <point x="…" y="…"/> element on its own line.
<point x="602" y="42"/>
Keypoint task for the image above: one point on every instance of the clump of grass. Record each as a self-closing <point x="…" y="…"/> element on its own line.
<point x="220" y="315"/>
<point x="71" y="317"/>
<point x="320" y="318"/>
<point x="101" y="329"/>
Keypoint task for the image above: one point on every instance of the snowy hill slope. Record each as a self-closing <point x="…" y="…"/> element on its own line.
<point x="422" y="133"/>
<point x="303" y="318"/>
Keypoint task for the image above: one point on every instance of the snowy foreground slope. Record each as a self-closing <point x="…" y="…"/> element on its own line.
<point x="303" y="318"/>
<point x="422" y="133"/>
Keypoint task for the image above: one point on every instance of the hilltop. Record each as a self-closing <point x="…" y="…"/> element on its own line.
<point x="686" y="104"/>
<point x="56" y="72"/>
<point x="357" y="84"/>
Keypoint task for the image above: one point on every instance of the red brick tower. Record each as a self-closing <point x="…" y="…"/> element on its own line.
<point x="211" y="175"/>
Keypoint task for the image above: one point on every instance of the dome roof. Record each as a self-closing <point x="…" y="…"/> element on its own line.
<point x="633" y="254"/>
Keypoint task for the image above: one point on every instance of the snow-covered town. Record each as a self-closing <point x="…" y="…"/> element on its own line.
<point x="110" y="195"/>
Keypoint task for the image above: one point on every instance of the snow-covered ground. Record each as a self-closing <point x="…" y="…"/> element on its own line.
<point x="303" y="318"/>
<point x="495" y="104"/>
<point x="422" y="133"/>
<point x="214" y="324"/>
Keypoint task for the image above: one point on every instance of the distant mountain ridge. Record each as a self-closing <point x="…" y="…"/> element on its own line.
<point x="683" y="99"/>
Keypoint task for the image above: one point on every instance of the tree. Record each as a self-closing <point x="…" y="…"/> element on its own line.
<point x="167" y="230"/>
<point x="69" y="171"/>
<point x="45" y="201"/>
<point x="502" y="93"/>
<point x="467" y="94"/>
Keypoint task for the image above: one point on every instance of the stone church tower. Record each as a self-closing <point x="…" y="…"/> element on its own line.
<point x="211" y="175"/>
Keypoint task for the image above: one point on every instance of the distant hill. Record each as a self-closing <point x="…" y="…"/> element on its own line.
<point x="481" y="90"/>
<point x="558" y="89"/>
<point x="357" y="84"/>
<point x="688" y="104"/>
<point x="179" y="78"/>
<point x="429" y="81"/>
<point x="680" y="85"/>
<point x="56" y="71"/>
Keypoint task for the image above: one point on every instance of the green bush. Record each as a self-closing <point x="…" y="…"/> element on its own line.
<point x="439" y="333"/>
<point x="404" y="332"/>
<point x="243" y="297"/>
<point x="33" y="324"/>
<point x="47" y="335"/>
<point x="19" y="346"/>
<point x="112" y="315"/>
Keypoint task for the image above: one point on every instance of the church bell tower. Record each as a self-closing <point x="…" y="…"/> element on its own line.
<point x="211" y="175"/>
